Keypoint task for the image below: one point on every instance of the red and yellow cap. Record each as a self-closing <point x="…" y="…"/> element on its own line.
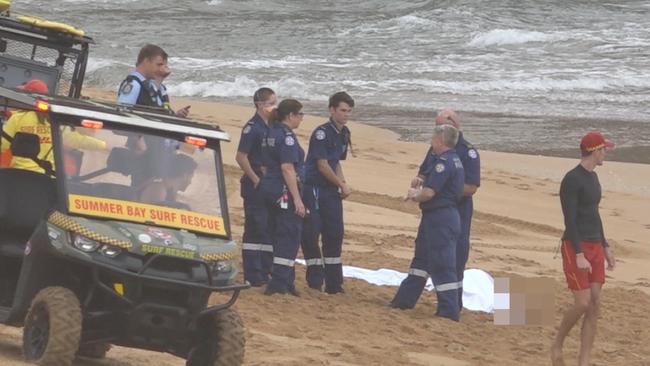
<point x="594" y="141"/>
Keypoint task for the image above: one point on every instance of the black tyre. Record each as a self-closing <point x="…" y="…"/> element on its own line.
<point x="94" y="350"/>
<point x="52" y="327"/>
<point x="224" y="343"/>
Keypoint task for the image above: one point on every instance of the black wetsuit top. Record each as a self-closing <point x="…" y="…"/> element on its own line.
<point x="580" y="195"/>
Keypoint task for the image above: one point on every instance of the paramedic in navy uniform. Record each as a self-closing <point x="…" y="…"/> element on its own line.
<point x="472" y="164"/>
<point x="435" y="244"/>
<point x="324" y="191"/>
<point x="257" y="247"/>
<point x="280" y="187"/>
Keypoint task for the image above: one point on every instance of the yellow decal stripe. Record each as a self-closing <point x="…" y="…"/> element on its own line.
<point x="67" y="223"/>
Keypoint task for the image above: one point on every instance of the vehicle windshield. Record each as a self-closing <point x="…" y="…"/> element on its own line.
<point x="141" y="177"/>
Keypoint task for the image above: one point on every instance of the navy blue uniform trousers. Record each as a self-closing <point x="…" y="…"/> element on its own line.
<point x="435" y="256"/>
<point x="325" y="221"/>
<point x="465" y="210"/>
<point x="257" y="247"/>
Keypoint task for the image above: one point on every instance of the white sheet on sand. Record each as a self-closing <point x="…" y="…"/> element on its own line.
<point x="478" y="285"/>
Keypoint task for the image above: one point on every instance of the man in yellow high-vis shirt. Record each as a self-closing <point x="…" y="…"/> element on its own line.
<point x="32" y="122"/>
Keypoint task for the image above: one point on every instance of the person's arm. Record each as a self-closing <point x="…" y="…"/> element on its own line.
<point x="423" y="195"/>
<point x="469" y="189"/>
<point x="289" y="152"/>
<point x="433" y="183"/>
<point x="76" y="140"/>
<point x="569" y="191"/>
<point x="345" y="189"/>
<point x="289" y="175"/>
<point x="129" y="93"/>
<point x="569" y="200"/>
<point x="421" y="176"/>
<point x="245" y="165"/>
<point x="326" y="170"/>
<point x="472" y="168"/>
<point x="8" y="128"/>
<point x="249" y="138"/>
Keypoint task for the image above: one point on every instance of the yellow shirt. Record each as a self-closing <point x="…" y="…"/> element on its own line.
<point x="29" y="122"/>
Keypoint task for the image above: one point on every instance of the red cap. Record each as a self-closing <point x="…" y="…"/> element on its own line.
<point x="594" y="141"/>
<point x="34" y="86"/>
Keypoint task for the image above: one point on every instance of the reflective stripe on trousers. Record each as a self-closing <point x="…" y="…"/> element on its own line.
<point x="258" y="247"/>
<point x="283" y="261"/>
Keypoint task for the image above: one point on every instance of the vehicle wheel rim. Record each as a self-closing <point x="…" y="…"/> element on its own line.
<point x="38" y="333"/>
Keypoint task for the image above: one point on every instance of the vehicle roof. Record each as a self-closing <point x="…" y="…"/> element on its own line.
<point x="155" y="119"/>
<point x="12" y="25"/>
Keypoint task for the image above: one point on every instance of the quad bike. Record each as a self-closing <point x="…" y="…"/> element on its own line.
<point x="121" y="238"/>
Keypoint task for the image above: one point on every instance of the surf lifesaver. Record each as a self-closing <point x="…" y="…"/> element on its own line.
<point x="48" y="24"/>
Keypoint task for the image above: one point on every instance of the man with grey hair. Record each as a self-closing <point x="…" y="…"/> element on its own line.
<point x="435" y="244"/>
<point x="472" y="166"/>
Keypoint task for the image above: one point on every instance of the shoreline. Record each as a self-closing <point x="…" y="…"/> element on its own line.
<point x="416" y="128"/>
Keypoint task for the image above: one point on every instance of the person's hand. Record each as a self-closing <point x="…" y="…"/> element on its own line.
<point x="256" y="182"/>
<point x="582" y="262"/>
<point x="412" y="193"/>
<point x="416" y="182"/>
<point x="609" y="257"/>
<point x="183" y="112"/>
<point x="344" y="191"/>
<point x="300" y="208"/>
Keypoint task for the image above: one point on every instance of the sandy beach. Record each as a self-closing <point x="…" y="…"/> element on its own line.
<point x="516" y="228"/>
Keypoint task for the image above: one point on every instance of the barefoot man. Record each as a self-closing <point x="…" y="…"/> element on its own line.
<point x="584" y="247"/>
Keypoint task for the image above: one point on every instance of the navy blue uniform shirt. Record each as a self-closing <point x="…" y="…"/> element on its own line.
<point x="326" y="143"/>
<point x="468" y="156"/>
<point x="280" y="147"/>
<point x="447" y="179"/>
<point x="254" y="131"/>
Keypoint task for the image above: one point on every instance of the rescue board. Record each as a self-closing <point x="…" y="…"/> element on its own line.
<point x="5" y="5"/>
<point x="48" y="24"/>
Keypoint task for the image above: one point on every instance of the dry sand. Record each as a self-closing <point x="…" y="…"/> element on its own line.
<point x="516" y="228"/>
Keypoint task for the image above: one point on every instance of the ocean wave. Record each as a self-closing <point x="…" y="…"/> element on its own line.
<point x="406" y="23"/>
<point x="95" y="64"/>
<point x="500" y="37"/>
<point x="531" y="84"/>
<point x="242" y="86"/>
<point x="190" y="63"/>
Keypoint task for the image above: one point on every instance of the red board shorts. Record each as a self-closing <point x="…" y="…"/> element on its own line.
<point x="579" y="279"/>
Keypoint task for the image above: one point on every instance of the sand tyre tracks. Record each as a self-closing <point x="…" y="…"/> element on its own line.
<point x="52" y="327"/>
<point x="223" y="344"/>
<point x="95" y="350"/>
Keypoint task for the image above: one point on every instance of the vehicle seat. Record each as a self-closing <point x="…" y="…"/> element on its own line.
<point x="25" y="198"/>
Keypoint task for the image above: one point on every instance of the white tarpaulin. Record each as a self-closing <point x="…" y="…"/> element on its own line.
<point x="478" y="285"/>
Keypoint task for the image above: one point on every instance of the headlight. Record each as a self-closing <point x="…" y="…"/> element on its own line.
<point x="84" y="244"/>
<point x="110" y="251"/>
<point x="221" y="267"/>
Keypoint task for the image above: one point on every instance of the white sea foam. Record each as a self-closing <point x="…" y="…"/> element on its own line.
<point x="500" y="37"/>
<point x="530" y="83"/>
<point x="399" y="24"/>
<point x="190" y="63"/>
<point x="242" y="86"/>
<point x="95" y="64"/>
